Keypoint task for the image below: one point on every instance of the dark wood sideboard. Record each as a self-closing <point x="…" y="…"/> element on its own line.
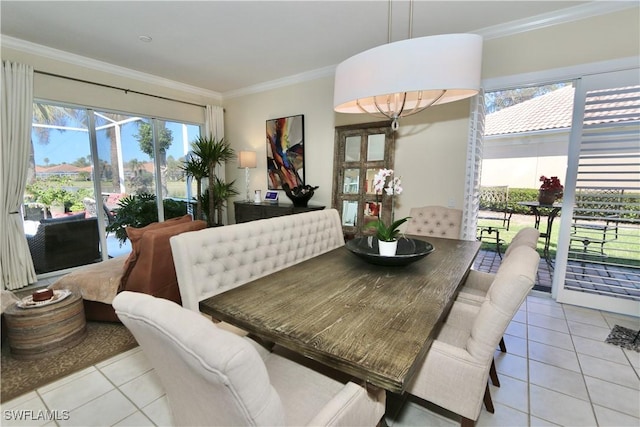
<point x="250" y="211"/>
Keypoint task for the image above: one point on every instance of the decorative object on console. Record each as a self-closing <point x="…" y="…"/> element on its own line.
<point x="385" y="182"/>
<point x="246" y="160"/>
<point x="285" y="152"/>
<point x="550" y="190"/>
<point x="418" y="73"/>
<point x="300" y="195"/>
<point x="271" y="196"/>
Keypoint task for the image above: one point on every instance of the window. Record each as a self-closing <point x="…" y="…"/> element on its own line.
<point x="70" y="172"/>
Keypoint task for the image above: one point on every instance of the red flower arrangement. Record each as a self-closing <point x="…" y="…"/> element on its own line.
<point x="551" y="184"/>
<point x="550" y="190"/>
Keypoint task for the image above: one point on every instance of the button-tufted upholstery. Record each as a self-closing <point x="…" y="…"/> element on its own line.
<point x="436" y="221"/>
<point x="217" y="259"/>
<point x="214" y="378"/>
<point x="456" y="368"/>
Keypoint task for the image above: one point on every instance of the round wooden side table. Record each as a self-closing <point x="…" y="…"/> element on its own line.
<point x="39" y="332"/>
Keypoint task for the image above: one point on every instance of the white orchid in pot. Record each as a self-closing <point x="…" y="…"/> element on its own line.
<point x="385" y="182"/>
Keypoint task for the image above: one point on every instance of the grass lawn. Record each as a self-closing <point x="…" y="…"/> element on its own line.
<point x="626" y="246"/>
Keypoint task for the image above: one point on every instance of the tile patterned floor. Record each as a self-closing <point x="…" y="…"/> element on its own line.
<point x="558" y="371"/>
<point x="489" y="261"/>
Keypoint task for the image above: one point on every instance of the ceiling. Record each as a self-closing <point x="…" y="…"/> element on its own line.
<point x="227" y="46"/>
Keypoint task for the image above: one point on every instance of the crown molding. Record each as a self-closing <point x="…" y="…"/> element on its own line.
<point x="93" y="64"/>
<point x="560" y="74"/>
<point x="285" y="81"/>
<point x="575" y="13"/>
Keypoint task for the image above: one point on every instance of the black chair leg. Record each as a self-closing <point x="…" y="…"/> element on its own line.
<point x="503" y="346"/>
<point x="466" y="422"/>
<point x="493" y="374"/>
<point x="488" y="403"/>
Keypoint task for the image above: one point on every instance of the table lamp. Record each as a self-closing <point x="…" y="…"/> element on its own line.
<point x="246" y="160"/>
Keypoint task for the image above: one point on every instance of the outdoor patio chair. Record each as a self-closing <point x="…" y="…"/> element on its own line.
<point x="495" y="214"/>
<point x="91" y="210"/>
<point x="596" y="221"/>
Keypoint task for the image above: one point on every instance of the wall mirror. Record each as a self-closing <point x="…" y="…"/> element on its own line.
<point x="360" y="151"/>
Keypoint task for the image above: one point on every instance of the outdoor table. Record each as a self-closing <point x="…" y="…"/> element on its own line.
<point x="553" y="211"/>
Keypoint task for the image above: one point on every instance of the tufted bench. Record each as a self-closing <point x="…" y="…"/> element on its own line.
<point x="217" y="259"/>
<point x="436" y="221"/>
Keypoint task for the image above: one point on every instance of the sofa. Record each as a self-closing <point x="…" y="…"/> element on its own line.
<point x="148" y="269"/>
<point x="214" y="260"/>
<point x="63" y="242"/>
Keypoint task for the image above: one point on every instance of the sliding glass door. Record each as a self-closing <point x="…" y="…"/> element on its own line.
<point x="598" y="252"/>
<point x="59" y="233"/>
<point x="84" y="162"/>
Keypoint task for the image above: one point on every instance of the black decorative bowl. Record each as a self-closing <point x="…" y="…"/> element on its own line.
<point x="300" y="201"/>
<point x="409" y="250"/>
<point x="299" y="196"/>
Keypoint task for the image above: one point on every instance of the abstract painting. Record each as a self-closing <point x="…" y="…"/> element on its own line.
<point x="285" y="151"/>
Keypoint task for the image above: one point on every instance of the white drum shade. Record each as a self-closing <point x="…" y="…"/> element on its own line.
<point x="430" y="70"/>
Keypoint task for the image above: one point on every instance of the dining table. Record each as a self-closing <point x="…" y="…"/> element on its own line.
<point x="373" y="322"/>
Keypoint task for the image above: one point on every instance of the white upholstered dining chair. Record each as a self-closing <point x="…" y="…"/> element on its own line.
<point x="215" y="378"/>
<point x="475" y="288"/>
<point x="455" y="371"/>
<point x="436" y="221"/>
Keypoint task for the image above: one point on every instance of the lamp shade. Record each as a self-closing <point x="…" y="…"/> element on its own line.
<point x="430" y="70"/>
<point x="247" y="159"/>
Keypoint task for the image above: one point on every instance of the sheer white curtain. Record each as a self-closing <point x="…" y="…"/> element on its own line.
<point x="473" y="168"/>
<point x="214" y="126"/>
<point x="16" y="267"/>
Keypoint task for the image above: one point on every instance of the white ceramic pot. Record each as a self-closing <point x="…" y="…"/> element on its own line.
<point x="387" y="248"/>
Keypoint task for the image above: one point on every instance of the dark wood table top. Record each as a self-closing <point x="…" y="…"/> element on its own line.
<point x="536" y="204"/>
<point x="373" y="322"/>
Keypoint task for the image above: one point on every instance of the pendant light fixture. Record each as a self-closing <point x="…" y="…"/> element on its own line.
<point x="405" y="77"/>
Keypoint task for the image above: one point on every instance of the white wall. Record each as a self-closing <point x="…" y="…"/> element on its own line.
<point x="518" y="160"/>
<point x="425" y="146"/>
<point x="245" y="129"/>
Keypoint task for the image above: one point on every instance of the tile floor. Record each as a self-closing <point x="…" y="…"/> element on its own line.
<point x="558" y="371"/>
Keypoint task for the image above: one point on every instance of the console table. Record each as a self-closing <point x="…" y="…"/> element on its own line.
<point x="250" y="211"/>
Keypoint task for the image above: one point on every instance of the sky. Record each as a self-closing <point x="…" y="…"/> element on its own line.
<point x="69" y="145"/>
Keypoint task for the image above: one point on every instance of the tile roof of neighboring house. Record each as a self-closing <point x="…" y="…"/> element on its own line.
<point x="550" y="111"/>
<point x="63" y="168"/>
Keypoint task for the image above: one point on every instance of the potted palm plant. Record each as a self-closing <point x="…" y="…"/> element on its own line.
<point x="213" y="152"/>
<point x="195" y="168"/>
